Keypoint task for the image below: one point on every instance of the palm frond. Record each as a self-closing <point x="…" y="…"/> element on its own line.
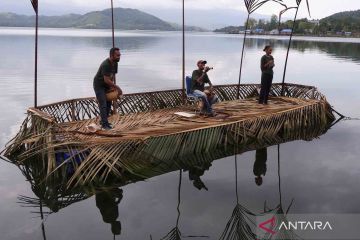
<point x="240" y="225"/>
<point x="308" y="7"/>
<point x="174" y="234"/>
<point x="298" y="2"/>
<point x="282" y="234"/>
<point x="253" y="5"/>
<point x="283" y="11"/>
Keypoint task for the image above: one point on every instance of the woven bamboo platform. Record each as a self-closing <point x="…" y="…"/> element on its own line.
<point x="147" y="130"/>
<point x="162" y="122"/>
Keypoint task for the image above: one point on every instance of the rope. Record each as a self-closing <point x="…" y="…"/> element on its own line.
<point x="350" y="118"/>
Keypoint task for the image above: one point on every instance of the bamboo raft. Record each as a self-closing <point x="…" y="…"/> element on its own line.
<point x="54" y="192"/>
<point x="147" y="130"/>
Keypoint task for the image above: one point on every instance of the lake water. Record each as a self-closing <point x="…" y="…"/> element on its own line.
<point x="322" y="176"/>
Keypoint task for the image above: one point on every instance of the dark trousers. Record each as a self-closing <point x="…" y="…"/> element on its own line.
<point x="104" y="106"/>
<point x="266" y="81"/>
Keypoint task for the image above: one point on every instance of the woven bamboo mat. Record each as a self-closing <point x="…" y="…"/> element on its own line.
<point x="166" y="122"/>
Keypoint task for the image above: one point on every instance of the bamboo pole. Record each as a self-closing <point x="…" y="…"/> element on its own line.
<point x="42" y="221"/>
<point x="113" y="24"/>
<point x="36" y="58"/>
<point x="183" y="53"/>
<point x="113" y="45"/>
<point x="287" y="53"/>
<point x="179" y="199"/>
<point x="278" y="153"/>
<point x="242" y="56"/>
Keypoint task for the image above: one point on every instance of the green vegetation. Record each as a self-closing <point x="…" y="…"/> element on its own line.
<point x="253" y="24"/>
<point x="337" y="24"/>
<point x="125" y="18"/>
<point x="343" y="21"/>
<point x="231" y="29"/>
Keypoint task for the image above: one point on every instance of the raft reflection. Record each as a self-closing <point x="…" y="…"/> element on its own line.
<point x="54" y="194"/>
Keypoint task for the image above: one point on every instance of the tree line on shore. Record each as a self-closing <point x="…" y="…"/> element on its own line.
<point x="337" y="24"/>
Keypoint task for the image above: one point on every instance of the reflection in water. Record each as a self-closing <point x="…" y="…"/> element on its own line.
<point x="54" y="194"/>
<point x="107" y="201"/>
<point x="35" y="203"/>
<point x="195" y="172"/>
<point x="348" y="51"/>
<point x="241" y="222"/>
<point x="280" y="216"/>
<point x="340" y="50"/>
<point x="244" y="224"/>
<point x="175" y="233"/>
<point x="260" y="165"/>
<point x="126" y="43"/>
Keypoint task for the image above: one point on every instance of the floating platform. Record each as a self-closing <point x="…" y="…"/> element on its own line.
<point x="163" y="122"/>
<point x="148" y="130"/>
<point x="55" y="193"/>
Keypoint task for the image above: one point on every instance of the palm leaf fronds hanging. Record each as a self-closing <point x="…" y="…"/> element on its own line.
<point x="253" y="5"/>
<point x="174" y="234"/>
<point x="280" y="218"/>
<point x="240" y="225"/>
<point x="298" y="2"/>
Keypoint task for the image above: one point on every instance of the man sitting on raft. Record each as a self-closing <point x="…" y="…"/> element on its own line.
<point x="104" y="82"/>
<point x="199" y="78"/>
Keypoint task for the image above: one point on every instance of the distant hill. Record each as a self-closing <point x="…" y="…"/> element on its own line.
<point x="125" y="18"/>
<point x="230" y="29"/>
<point x="342" y="21"/>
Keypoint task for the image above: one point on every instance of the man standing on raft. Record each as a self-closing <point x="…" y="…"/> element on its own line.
<point x="104" y="82"/>
<point x="266" y="65"/>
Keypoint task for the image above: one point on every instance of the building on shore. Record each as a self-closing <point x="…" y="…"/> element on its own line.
<point x="286" y="31"/>
<point x="274" y="32"/>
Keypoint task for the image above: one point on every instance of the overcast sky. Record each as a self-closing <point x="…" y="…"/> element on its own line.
<point x="319" y="8"/>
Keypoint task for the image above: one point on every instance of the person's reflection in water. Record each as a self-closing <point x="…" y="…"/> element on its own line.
<point x="195" y="172"/>
<point x="107" y="202"/>
<point x="260" y="165"/>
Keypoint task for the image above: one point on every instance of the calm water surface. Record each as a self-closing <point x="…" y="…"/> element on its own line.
<point x="322" y="176"/>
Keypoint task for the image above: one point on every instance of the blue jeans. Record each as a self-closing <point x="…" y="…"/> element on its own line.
<point x="104" y="105"/>
<point x="207" y="103"/>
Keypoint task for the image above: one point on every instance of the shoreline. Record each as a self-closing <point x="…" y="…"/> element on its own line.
<point x="82" y="32"/>
<point x="287" y="35"/>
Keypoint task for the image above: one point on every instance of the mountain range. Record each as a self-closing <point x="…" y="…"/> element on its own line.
<point x="124" y="18"/>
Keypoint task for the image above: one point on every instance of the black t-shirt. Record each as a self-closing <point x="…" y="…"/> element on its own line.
<point x="260" y="162"/>
<point x="264" y="60"/>
<point x="105" y="69"/>
<point x="198" y="86"/>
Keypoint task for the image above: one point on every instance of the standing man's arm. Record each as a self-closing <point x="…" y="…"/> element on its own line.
<point x="107" y="72"/>
<point x="108" y="81"/>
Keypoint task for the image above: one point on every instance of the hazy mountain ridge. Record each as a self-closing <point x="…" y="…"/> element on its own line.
<point x="125" y="18"/>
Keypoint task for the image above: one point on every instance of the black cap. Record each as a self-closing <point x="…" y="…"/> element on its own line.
<point x="202" y="61"/>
